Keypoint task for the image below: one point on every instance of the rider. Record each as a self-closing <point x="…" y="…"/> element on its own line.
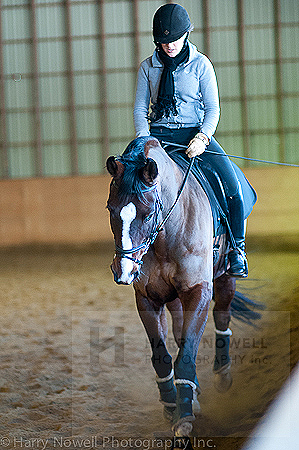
<point x="180" y="84"/>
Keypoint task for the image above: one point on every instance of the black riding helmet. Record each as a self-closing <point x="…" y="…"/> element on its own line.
<point x="171" y="22"/>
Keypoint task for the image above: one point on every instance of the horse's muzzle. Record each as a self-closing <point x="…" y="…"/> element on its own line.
<point x="124" y="271"/>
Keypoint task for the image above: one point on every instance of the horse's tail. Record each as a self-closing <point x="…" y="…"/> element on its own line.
<point x="244" y="309"/>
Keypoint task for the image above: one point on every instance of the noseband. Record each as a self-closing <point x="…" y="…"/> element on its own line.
<point x="156" y="227"/>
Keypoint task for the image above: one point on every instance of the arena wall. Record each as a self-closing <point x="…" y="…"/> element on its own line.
<point x="71" y="210"/>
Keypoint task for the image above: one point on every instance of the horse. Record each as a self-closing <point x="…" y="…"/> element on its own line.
<point x="162" y="224"/>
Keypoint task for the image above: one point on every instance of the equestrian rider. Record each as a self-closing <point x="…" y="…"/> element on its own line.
<point x="180" y="84"/>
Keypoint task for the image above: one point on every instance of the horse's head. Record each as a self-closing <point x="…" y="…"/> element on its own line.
<point x="134" y="207"/>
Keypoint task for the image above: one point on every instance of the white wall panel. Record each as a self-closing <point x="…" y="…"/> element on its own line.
<point x="118" y="17"/>
<point x="16" y="25"/>
<point x="261" y="79"/>
<point x="86" y="54"/>
<point x="230" y="118"/>
<point x="120" y="52"/>
<point x="262" y="115"/>
<point x="88" y="124"/>
<point x="17" y="59"/>
<point x="50" y="22"/>
<point x="52" y="56"/>
<point x="20" y="127"/>
<point x="224" y="46"/>
<point x="87" y="89"/>
<point x="228" y="78"/>
<point x="90" y="161"/>
<point x="121" y="123"/>
<point x="56" y="160"/>
<point x="258" y="12"/>
<point x="121" y="87"/>
<point x="223" y="13"/>
<point x="53" y="91"/>
<point x="22" y="163"/>
<point x="84" y="19"/>
<point x="19" y="93"/>
<point x="55" y="125"/>
<point x="290" y="77"/>
<point x="259" y="44"/>
<point x="265" y="146"/>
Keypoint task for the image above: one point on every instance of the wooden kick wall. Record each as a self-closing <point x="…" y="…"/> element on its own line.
<point x="71" y="210"/>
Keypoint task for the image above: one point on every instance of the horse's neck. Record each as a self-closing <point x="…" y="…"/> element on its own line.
<point x="192" y="207"/>
<point x="170" y="182"/>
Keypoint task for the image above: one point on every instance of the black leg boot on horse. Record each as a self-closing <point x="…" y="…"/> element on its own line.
<point x="184" y="413"/>
<point x="222" y="361"/>
<point x="168" y="395"/>
<point x="153" y="317"/>
<point x="187" y="387"/>
<point x="162" y="363"/>
<point x="237" y="256"/>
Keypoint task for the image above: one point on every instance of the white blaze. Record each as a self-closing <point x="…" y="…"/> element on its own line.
<point x="127" y="214"/>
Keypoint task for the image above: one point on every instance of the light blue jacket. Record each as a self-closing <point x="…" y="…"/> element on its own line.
<point x="196" y="94"/>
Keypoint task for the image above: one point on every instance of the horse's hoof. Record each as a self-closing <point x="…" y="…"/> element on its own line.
<point x="196" y="407"/>
<point x="183" y="427"/>
<point x="223" y="379"/>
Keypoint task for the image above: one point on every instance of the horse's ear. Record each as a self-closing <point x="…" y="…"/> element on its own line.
<point x="150" y="171"/>
<point x="153" y="142"/>
<point x="114" y="167"/>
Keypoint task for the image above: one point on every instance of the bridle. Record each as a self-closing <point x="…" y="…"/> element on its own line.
<point x="153" y="233"/>
<point x="157" y="227"/>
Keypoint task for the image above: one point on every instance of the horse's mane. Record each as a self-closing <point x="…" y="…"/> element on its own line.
<point x="134" y="160"/>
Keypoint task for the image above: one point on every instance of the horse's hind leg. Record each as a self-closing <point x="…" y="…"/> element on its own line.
<point x="224" y="291"/>
<point x="154" y="320"/>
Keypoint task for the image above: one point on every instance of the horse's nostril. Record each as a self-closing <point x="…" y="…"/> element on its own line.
<point x="115" y="277"/>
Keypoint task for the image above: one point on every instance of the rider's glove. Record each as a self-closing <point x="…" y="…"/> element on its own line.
<point x="197" y="145"/>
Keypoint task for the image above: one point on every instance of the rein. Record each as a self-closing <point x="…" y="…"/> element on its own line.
<point x="157" y="227"/>
<point x="160" y="227"/>
<point x="234" y="156"/>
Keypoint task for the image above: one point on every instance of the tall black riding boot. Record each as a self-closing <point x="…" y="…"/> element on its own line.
<point x="237" y="256"/>
<point x="238" y="261"/>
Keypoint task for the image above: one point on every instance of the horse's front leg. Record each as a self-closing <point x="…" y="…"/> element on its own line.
<point x="224" y="291"/>
<point x="195" y="303"/>
<point x="154" y="320"/>
<point x="177" y="316"/>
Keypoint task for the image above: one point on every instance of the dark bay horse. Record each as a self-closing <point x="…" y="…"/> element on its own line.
<point x="166" y="251"/>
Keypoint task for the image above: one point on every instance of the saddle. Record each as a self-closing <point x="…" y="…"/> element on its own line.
<point x="214" y="189"/>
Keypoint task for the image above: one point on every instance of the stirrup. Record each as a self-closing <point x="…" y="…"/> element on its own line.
<point x="238" y="262"/>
